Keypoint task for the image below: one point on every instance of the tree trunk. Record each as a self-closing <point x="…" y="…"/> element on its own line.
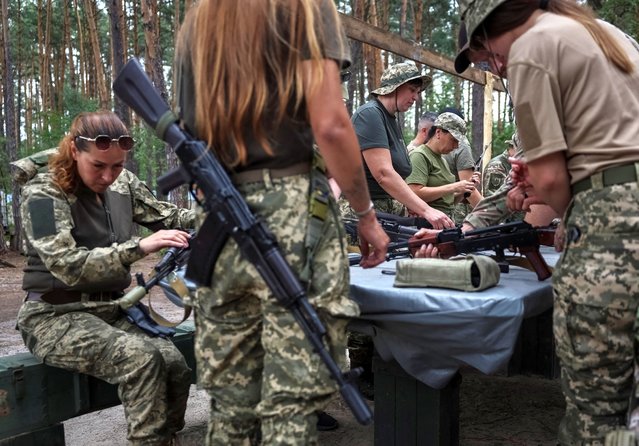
<point x="98" y="64"/>
<point x="116" y="18"/>
<point x="154" y="68"/>
<point x="9" y="123"/>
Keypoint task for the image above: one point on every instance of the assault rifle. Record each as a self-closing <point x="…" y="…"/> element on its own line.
<point x="229" y="215"/>
<point x="172" y="260"/>
<point x="519" y="236"/>
<point x="397" y="228"/>
<point x="146" y="318"/>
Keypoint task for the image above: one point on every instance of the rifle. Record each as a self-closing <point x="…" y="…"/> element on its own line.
<point x="229" y="215"/>
<point x="172" y="260"/>
<point x="397" y="228"/>
<point x="519" y="236"/>
<point x="146" y="318"/>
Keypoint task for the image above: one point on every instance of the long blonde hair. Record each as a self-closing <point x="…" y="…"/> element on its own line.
<point x="512" y="13"/>
<point x="90" y="124"/>
<point x="246" y="58"/>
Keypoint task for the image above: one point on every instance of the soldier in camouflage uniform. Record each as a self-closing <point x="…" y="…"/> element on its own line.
<point x="498" y="169"/>
<point x="78" y="220"/>
<point x="261" y="373"/>
<point x="493" y="209"/>
<point x="574" y="83"/>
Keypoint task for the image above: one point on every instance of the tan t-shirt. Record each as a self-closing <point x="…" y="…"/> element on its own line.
<point x="569" y="98"/>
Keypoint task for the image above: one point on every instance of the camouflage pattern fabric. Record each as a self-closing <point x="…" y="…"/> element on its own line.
<point x="453" y="124"/>
<point x="473" y="12"/>
<point x="95" y="338"/>
<point x="387" y="205"/>
<point x="460" y="211"/>
<point x="399" y="74"/>
<point x="252" y="356"/>
<point x="492" y="210"/>
<point x="94" y="255"/>
<point x="73" y="243"/>
<point x="596" y="298"/>
<point x="495" y="174"/>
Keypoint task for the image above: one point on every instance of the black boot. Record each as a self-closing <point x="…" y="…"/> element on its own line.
<point x="325" y="422"/>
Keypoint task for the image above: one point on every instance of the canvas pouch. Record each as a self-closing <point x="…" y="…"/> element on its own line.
<point x="467" y="273"/>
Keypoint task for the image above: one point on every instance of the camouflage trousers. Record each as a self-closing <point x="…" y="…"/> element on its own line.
<point x="387" y="205"/>
<point x="252" y="356"/>
<point x="94" y="338"/>
<point x="596" y="298"/>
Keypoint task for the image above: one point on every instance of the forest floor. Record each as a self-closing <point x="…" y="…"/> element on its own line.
<point x="494" y="410"/>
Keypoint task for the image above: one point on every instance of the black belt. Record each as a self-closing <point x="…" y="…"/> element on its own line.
<point x="263" y="175"/>
<point x="611" y="176"/>
<point x="58" y="297"/>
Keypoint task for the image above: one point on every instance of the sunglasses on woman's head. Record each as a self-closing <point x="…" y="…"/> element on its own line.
<point x="103" y="142"/>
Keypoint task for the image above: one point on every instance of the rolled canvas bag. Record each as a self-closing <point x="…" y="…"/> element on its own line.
<point x="467" y="273"/>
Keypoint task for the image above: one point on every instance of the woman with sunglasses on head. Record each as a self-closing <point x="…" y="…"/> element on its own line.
<point x="78" y="224"/>
<point x="574" y="82"/>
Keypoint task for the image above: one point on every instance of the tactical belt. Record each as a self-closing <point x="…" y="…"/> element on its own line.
<point x="265" y="175"/>
<point x="608" y="177"/>
<point x="59" y="297"/>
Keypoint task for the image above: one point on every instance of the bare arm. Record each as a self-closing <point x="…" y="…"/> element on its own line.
<point x="338" y="145"/>
<point x="428" y="193"/>
<point x="380" y="164"/>
<point x="551" y="181"/>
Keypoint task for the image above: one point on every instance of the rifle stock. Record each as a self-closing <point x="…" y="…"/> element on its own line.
<point x="519" y="236"/>
<point x="231" y="216"/>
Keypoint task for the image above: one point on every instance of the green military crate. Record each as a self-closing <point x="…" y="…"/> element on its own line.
<point x="35" y="398"/>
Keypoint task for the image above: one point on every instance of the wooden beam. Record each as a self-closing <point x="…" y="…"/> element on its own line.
<point x="367" y="33"/>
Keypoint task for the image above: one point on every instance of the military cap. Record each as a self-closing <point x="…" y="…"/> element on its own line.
<point x="474" y="12"/>
<point x="399" y="74"/>
<point x="461" y="60"/>
<point x="453" y="124"/>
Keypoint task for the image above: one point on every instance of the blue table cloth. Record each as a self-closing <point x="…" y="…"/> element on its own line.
<point x="432" y="332"/>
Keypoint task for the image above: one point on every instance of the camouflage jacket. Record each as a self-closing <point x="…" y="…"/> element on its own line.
<point x="495" y="174"/>
<point x="493" y="210"/>
<point x="73" y="241"/>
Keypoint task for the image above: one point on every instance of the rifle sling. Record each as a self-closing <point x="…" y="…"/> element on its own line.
<point x="182" y="290"/>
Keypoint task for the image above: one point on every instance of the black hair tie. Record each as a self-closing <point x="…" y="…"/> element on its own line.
<point x="543" y="4"/>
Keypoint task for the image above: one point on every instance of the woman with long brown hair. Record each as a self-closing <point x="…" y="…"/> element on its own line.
<point x="574" y="82"/>
<point x="259" y="81"/>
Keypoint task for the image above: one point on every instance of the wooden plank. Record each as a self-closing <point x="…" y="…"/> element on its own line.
<point x="364" y="32"/>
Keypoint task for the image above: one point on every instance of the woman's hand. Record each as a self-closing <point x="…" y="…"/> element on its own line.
<point x="164" y="238"/>
<point x="521" y="198"/>
<point x="438" y="219"/>
<point x="427" y="249"/>
<point x="373" y="241"/>
<point x="463" y="186"/>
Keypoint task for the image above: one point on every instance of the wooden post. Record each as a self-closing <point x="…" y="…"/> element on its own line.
<point x="488" y="120"/>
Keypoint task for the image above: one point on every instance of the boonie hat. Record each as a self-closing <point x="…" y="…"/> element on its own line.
<point x="399" y="74"/>
<point x="453" y="124"/>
